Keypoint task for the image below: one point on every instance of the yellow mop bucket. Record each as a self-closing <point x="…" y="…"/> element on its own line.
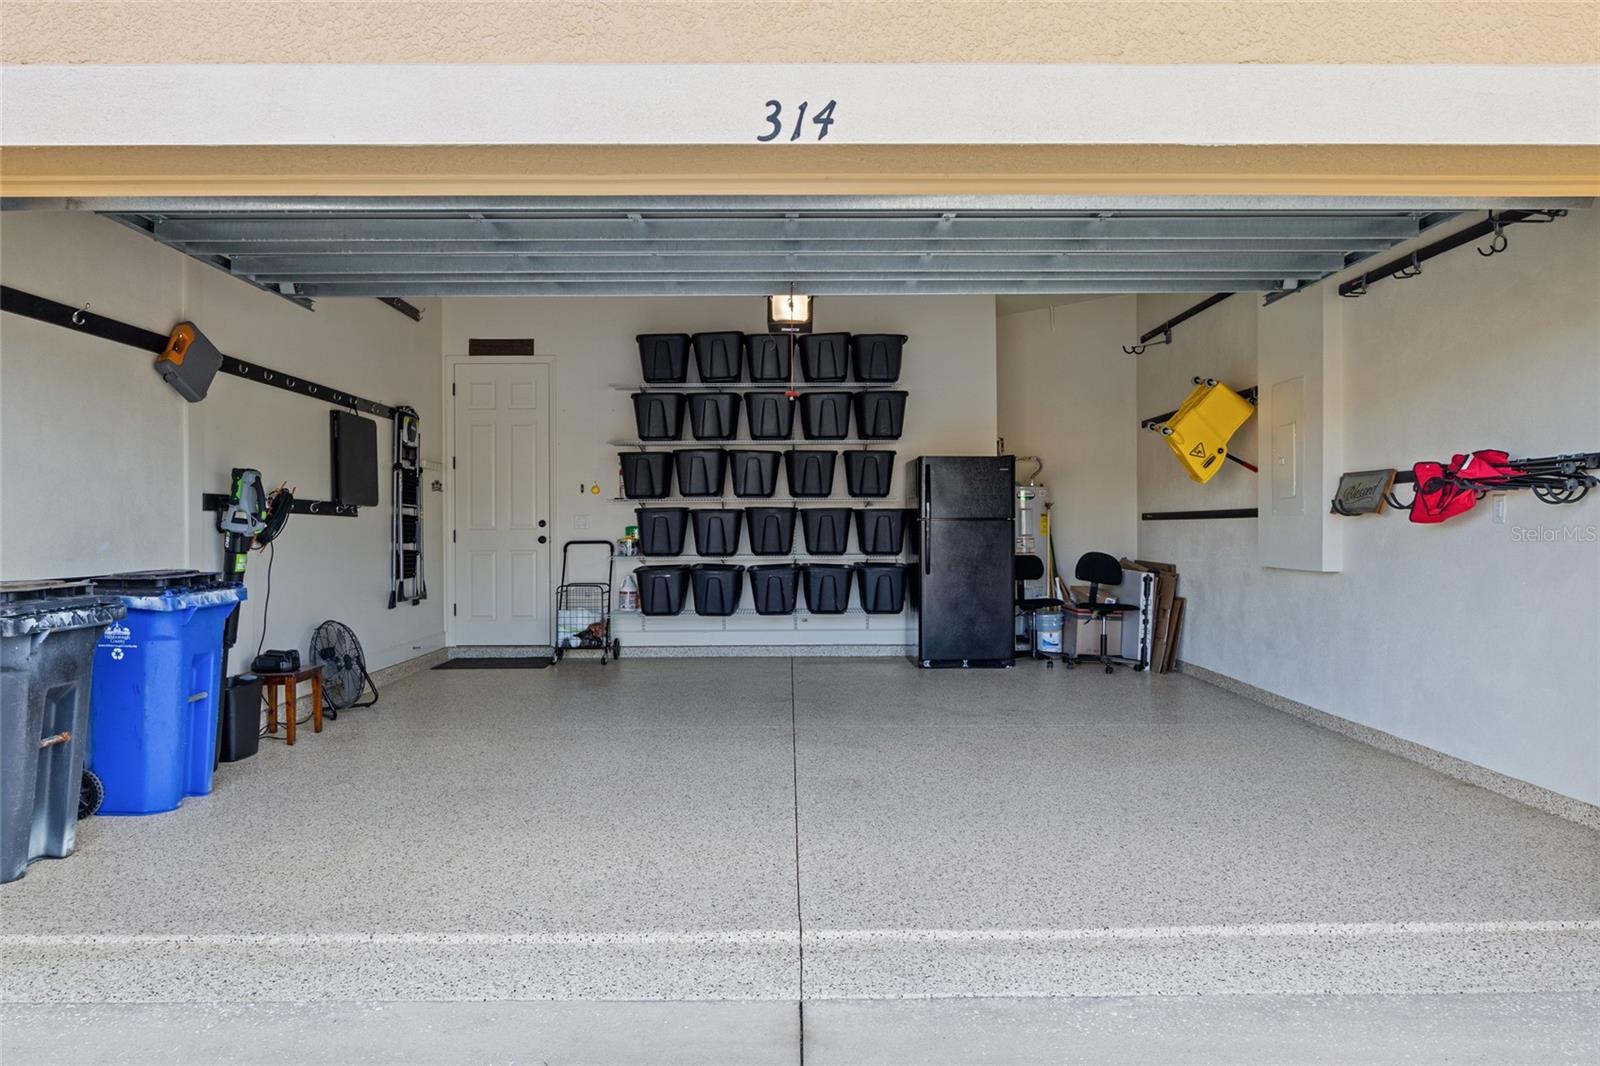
<point x="1198" y="432"/>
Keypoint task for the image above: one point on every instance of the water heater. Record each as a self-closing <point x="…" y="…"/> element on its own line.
<point x="1032" y="514"/>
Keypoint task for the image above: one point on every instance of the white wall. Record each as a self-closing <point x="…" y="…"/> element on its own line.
<point x="1475" y="639"/>
<point x="949" y="372"/>
<point x="1067" y="395"/>
<point x="103" y="465"/>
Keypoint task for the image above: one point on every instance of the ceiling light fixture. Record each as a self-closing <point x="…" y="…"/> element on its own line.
<point x="789" y="313"/>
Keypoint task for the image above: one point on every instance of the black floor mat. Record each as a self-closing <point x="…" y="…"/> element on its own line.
<point x="496" y="663"/>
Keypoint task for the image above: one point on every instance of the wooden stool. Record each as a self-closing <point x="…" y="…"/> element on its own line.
<point x="289" y="684"/>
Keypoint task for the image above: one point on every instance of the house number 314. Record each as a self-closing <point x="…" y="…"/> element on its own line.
<point x="822" y="119"/>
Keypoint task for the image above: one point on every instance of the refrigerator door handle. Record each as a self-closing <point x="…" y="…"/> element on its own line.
<point x="927" y="492"/>
<point x="927" y="547"/>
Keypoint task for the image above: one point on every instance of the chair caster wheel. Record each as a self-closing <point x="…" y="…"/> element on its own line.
<point x="1109" y="670"/>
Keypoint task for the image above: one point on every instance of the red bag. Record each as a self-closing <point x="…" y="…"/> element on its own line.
<point x="1438" y="497"/>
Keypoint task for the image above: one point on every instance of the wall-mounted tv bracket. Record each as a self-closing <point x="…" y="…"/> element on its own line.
<point x="1410" y="264"/>
<point x="82" y="320"/>
<point x="1164" y="331"/>
<point x="217" y="501"/>
<point x="407" y="582"/>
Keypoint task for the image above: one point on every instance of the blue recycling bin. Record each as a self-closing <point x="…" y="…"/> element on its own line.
<point x="156" y="696"/>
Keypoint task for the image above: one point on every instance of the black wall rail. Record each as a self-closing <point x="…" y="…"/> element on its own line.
<point x="1164" y="331"/>
<point x="218" y="501"/>
<point x="1181" y="516"/>
<point x="82" y="320"/>
<point x="1409" y="266"/>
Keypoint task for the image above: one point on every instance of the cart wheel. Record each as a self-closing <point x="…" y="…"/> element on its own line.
<point x="558" y="653"/>
<point x="91" y="794"/>
<point x="616" y="649"/>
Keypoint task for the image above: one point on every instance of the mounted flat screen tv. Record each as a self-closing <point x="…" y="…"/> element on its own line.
<point x="355" y="459"/>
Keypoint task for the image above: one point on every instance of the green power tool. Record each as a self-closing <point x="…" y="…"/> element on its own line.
<point x="242" y="520"/>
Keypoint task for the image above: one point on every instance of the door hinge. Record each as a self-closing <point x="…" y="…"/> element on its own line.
<point x="452" y="462"/>
<point x="452" y="536"/>
<point x="452" y="388"/>
<point x="454" y="611"/>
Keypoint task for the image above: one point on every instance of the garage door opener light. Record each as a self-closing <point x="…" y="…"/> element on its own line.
<point x="789" y="313"/>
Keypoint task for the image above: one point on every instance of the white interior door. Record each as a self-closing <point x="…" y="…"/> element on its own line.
<point x="501" y="540"/>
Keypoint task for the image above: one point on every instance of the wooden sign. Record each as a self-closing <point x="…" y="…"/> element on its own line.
<point x="1362" y="492"/>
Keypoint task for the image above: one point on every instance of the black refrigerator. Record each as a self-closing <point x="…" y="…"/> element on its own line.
<point x="963" y="568"/>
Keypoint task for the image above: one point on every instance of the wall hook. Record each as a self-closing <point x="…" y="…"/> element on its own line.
<point x="1138" y="349"/>
<point x="1498" y="243"/>
<point x="77" y="316"/>
<point x="1358" y="289"/>
<point x="1412" y="271"/>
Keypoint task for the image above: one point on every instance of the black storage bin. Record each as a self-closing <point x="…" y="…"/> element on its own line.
<point x="880" y="414"/>
<point x="717" y="587"/>
<point x="771" y="530"/>
<point x="658" y="415"/>
<point x="826" y="529"/>
<point x="825" y="415"/>
<point x="770" y="415"/>
<point x="714" y="415"/>
<point x="716" y="355"/>
<point x="664" y="357"/>
<point x="661" y="529"/>
<point x="883" y="587"/>
<point x="876" y="356"/>
<point x="810" y="472"/>
<point x="766" y="356"/>
<point x="661" y="588"/>
<point x="755" y="473"/>
<point x="241" y="719"/>
<point x="646" y="475"/>
<point x="827" y="588"/>
<point x="773" y="587"/>
<point x="868" y="474"/>
<point x="881" y="530"/>
<point x="825" y="356"/>
<point x="701" y="471"/>
<point x="716" y="532"/>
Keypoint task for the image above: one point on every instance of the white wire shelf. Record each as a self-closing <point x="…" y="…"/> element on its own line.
<point x="764" y="501"/>
<point x="689" y="558"/>
<point x="744" y="444"/>
<point x="754" y="386"/>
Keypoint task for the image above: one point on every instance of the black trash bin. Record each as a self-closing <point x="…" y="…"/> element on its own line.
<point x="880" y="414"/>
<point x="664" y="357"/>
<point x="661" y="588"/>
<point x="701" y="471"/>
<point x="658" y="415"/>
<point x="48" y="632"/>
<point x="241" y="718"/>
<point x="876" y="356"/>
<point x="868" y="473"/>
<point x="826" y="529"/>
<point x="661" y="529"/>
<point x="717" y="587"/>
<point x="825" y="356"/>
<point x="810" y="472"/>
<point x="827" y="588"/>
<point x="714" y="415"/>
<point x="883" y="587"/>
<point x="773" y="587"/>
<point x="646" y="475"/>
<point x="770" y="415"/>
<point x="754" y="473"/>
<point x="767" y="356"/>
<point x="716" y="355"/>
<point x="825" y="415"/>
<point x="771" y="530"/>
<point x="881" y="530"/>
<point x="716" y="531"/>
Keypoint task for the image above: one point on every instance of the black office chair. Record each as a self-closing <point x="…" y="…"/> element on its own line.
<point x="1027" y="568"/>
<point x="1098" y="568"/>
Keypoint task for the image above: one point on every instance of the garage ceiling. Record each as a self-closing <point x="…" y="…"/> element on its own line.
<point x="396" y="247"/>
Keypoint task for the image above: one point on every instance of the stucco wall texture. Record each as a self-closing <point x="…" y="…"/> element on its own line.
<point x="799" y="31"/>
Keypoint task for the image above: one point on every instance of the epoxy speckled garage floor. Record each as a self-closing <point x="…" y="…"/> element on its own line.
<point x="629" y="832"/>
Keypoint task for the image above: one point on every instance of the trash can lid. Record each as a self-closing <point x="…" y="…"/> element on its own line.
<point x="25" y="617"/>
<point x="154" y="582"/>
<point x="11" y="591"/>
<point x="179" y="599"/>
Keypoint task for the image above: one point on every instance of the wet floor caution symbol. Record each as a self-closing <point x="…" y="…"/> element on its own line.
<point x="1198" y="450"/>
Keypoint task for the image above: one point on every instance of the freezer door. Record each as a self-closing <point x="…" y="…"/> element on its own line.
<point x="964" y="606"/>
<point x="966" y="486"/>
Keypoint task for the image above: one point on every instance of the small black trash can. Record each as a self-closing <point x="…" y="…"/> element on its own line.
<point x="773" y="587"/>
<point x="883" y="587"/>
<point x="825" y="415"/>
<point x="661" y="529"/>
<point x="701" y="471"/>
<point x="241" y="718"/>
<point x="661" y="588"/>
<point x="810" y="472"/>
<point x="771" y="530"/>
<point x="716" y="355"/>
<point x="714" y="415"/>
<point x="717" y="587"/>
<point x="664" y="357"/>
<point x="876" y="356"/>
<point x="754" y="473"/>
<point x="880" y="414"/>
<point x="646" y="475"/>
<point x="867" y="473"/>
<point x="826" y="529"/>
<point x="716" y="531"/>
<point x="658" y="415"/>
<point x="825" y="356"/>
<point x="881" y="530"/>
<point x="767" y="356"/>
<point x="770" y="415"/>
<point x="827" y="588"/>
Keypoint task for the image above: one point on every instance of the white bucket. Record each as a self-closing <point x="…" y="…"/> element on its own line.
<point x="1047" y="630"/>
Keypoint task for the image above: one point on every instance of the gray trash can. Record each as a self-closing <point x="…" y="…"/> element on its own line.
<point x="48" y="632"/>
